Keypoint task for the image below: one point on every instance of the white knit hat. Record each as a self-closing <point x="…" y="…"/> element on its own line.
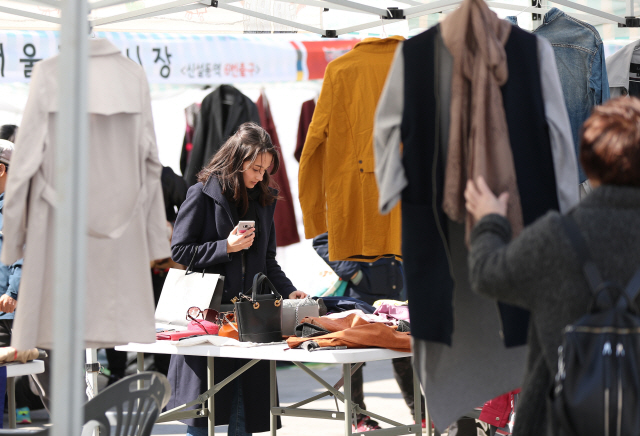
<point x="6" y="149"/>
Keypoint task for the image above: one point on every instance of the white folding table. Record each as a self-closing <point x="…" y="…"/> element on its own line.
<point x="15" y="369"/>
<point x="273" y="353"/>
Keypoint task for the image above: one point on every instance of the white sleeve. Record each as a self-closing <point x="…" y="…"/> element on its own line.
<point x="386" y="137"/>
<point x="565" y="163"/>
<point x="157" y="240"/>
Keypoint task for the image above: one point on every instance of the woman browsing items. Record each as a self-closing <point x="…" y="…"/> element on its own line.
<point x="539" y="270"/>
<point x="233" y="187"/>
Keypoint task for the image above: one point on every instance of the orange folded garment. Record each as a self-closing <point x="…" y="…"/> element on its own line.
<point x="354" y="332"/>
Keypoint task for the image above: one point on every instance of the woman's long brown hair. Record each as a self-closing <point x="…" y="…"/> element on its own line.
<point x="247" y="143"/>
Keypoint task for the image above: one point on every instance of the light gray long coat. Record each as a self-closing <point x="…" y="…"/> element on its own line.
<point x="126" y="215"/>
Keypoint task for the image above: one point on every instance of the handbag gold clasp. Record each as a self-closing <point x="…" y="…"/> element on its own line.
<point x="278" y="302"/>
<point x="256" y="305"/>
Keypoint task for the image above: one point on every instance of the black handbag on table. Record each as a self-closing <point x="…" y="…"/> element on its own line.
<point x="260" y="317"/>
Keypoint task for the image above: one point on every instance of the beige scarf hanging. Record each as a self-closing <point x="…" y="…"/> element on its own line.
<point x="478" y="134"/>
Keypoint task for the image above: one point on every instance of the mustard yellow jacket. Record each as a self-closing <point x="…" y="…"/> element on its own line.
<point x="337" y="184"/>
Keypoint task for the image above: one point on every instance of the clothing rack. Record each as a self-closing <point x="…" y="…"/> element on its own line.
<point x="71" y="154"/>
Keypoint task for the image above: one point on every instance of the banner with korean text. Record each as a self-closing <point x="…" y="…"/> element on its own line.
<point x="189" y="59"/>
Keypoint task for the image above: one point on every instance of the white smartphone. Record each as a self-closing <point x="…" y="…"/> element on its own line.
<point x="243" y="226"/>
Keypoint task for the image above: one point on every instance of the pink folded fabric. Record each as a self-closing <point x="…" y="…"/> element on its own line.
<point x="175" y="336"/>
<point x="395" y="312"/>
<point x="193" y="329"/>
<point x="206" y="327"/>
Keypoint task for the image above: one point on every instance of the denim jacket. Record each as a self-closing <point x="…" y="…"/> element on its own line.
<point x="9" y="275"/>
<point x="581" y="65"/>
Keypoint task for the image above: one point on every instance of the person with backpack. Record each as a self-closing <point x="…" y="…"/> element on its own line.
<point x="541" y="270"/>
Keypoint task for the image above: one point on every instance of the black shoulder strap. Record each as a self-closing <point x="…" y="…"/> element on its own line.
<point x="633" y="287"/>
<point x="589" y="268"/>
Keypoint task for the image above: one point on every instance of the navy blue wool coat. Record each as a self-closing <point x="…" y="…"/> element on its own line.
<point x="204" y="222"/>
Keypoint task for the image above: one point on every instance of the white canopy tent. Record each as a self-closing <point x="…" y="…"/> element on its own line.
<point x="75" y="17"/>
<point x="322" y="17"/>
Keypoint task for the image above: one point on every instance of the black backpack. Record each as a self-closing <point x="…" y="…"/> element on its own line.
<point x="597" y="386"/>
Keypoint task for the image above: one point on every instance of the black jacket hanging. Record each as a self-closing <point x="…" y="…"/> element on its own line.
<point x="427" y="273"/>
<point x="221" y="113"/>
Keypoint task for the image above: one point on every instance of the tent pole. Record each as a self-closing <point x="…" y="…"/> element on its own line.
<point x="511" y="7"/>
<point x="106" y="3"/>
<point x="363" y="26"/>
<point x="325" y="4"/>
<point x="69" y="254"/>
<point x="166" y="8"/>
<point x="271" y="18"/>
<point x="591" y="11"/>
<point x="360" y="7"/>
<point x="29" y="15"/>
<point x="46" y="3"/>
<point x="437" y="5"/>
<point x="111" y="20"/>
<point x="410" y="2"/>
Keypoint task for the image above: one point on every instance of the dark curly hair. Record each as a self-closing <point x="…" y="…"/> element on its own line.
<point x="8" y="132"/>
<point x="610" y="142"/>
<point x="249" y="141"/>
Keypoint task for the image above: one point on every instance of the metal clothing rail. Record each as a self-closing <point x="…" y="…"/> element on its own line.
<point x="387" y="16"/>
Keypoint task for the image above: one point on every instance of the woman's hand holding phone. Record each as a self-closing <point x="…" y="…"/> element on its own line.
<point x="240" y="241"/>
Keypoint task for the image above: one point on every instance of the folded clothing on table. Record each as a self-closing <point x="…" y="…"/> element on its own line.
<point x="351" y="331"/>
<point x="393" y="311"/>
<point x="10" y="354"/>
<point x="341" y="304"/>
<point x="194" y="328"/>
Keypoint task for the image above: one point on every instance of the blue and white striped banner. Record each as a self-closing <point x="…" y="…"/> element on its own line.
<point x="167" y="58"/>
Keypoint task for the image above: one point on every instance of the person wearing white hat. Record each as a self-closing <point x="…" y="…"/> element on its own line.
<point x="9" y="274"/>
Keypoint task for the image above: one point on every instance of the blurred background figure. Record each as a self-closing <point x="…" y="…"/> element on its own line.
<point x="369" y="282"/>
<point x="9" y="132"/>
<point x="9" y="283"/>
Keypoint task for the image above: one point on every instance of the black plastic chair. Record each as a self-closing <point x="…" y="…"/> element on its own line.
<point x="136" y="410"/>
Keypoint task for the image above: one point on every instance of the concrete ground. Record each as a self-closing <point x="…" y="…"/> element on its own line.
<point x="382" y="396"/>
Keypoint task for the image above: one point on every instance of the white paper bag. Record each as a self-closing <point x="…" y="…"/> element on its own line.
<point x="184" y="289"/>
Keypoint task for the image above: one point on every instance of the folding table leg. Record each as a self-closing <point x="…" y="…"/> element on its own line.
<point x="140" y="367"/>
<point x="140" y="362"/>
<point x="348" y="404"/>
<point x="11" y="395"/>
<point x="273" y="392"/>
<point x="211" y="422"/>
<point x="417" y="405"/>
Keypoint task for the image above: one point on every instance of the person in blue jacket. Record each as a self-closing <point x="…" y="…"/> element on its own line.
<point x="9" y="274"/>
<point x="234" y="186"/>
<point x="368" y="282"/>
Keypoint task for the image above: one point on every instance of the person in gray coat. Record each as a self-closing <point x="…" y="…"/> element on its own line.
<point x="539" y="270"/>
